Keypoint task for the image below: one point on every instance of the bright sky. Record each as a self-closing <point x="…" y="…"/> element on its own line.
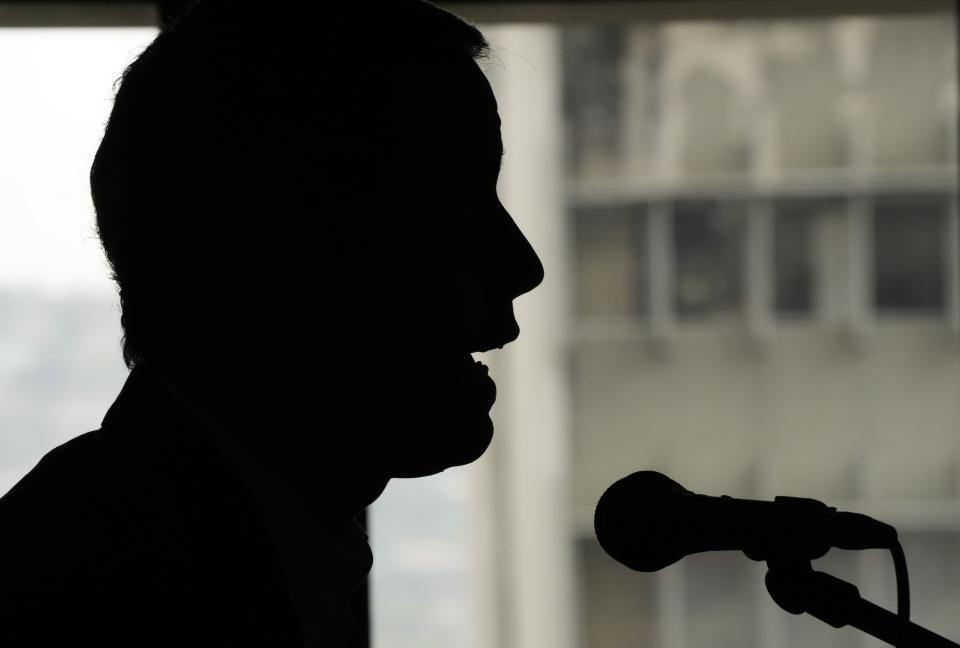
<point x="56" y="90"/>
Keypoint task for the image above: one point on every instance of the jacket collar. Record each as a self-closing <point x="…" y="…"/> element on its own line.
<point x="321" y="560"/>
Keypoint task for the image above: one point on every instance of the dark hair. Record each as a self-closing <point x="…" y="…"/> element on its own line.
<point x="224" y="125"/>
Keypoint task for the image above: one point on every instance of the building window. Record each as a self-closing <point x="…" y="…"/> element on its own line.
<point x="909" y="253"/>
<point x="610" y="250"/>
<point x="733" y="228"/>
<point x="793" y="258"/>
<point x="708" y="251"/>
<point x="593" y="106"/>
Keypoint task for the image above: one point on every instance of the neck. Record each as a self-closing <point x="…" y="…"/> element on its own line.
<point x="321" y="459"/>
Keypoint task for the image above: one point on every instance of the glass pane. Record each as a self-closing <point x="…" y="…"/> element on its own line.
<point x="612" y="269"/>
<point x="810" y="251"/>
<point x="909" y="253"/>
<point x="912" y="98"/>
<point x="60" y="363"/>
<point x="708" y="251"/>
<point x="592" y="104"/>
<point x="793" y="259"/>
<point x="803" y="64"/>
<point x="708" y="107"/>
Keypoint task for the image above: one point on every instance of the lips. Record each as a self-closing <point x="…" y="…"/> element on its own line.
<point x="474" y="377"/>
<point x="497" y="337"/>
<point x="482" y="367"/>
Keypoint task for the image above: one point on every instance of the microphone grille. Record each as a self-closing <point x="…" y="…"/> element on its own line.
<point x="633" y="521"/>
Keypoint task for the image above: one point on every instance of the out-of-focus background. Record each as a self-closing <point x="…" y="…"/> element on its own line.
<point x="748" y="218"/>
<point x="59" y="312"/>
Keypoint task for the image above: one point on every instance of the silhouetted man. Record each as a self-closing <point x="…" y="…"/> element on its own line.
<point x="300" y="210"/>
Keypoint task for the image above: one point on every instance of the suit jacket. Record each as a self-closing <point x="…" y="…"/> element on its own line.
<point x="141" y="534"/>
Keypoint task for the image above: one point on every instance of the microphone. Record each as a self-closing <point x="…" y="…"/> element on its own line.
<point x="648" y="521"/>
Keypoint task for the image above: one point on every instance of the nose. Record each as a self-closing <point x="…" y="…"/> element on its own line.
<point x="521" y="267"/>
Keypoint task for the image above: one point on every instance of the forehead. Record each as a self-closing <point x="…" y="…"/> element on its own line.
<point x="471" y="92"/>
<point x="446" y="102"/>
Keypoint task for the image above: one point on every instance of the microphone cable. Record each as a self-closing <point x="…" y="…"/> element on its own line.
<point x="903" y="582"/>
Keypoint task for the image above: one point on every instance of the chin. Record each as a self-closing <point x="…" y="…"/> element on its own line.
<point x="438" y="449"/>
<point x="475" y="438"/>
<point x="446" y="411"/>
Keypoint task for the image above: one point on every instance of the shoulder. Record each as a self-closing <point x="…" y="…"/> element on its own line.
<point x="65" y="463"/>
<point x="109" y="533"/>
<point x="88" y="547"/>
<point x="66" y="476"/>
<point x="136" y="525"/>
<point x="51" y="531"/>
<point x="96" y="513"/>
<point x="53" y="513"/>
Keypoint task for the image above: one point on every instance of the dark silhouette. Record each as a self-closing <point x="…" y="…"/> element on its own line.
<point x="688" y="523"/>
<point x="298" y="201"/>
<point x="646" y="521"/>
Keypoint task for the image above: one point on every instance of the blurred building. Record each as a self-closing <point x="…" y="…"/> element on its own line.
<point x="756" y="291"/>
<point x="750" y="232"/>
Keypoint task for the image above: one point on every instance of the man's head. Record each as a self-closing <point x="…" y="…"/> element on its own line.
<point x="305" y="201"/>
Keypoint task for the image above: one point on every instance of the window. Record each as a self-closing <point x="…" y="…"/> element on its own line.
<point x="793" y="221"/>
<point x="708" y="238"/>
<point x="811" y="256"/>
<point x="658" y="113"/>
<point x="593" y="107"/>
<point x="611" y="246"/>
<point x="60" y="366"/>
<point x="750" y="204"/>
<point x="909" y="252"/>
<point x="793" y="257"/>
<point x="743" y="211"/>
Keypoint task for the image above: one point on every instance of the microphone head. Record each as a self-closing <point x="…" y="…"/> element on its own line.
<point x="647" y="521"/>
<point x="635" y="521"/>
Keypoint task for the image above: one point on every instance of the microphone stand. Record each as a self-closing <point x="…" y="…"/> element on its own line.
<point x="797" y="588"/>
